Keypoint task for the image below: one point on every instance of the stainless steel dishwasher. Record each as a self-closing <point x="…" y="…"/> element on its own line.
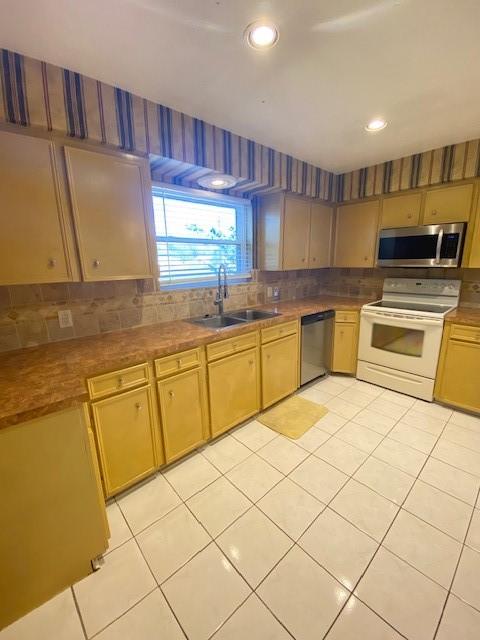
<point x="317" y="336"/>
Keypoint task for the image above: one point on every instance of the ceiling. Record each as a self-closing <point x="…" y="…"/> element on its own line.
<point x="337" y="65"/>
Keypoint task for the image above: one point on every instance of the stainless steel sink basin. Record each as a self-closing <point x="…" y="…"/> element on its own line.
<point x="217" y="322"/>
<point x="234" y="317"/>
<point x="249" y="315"/>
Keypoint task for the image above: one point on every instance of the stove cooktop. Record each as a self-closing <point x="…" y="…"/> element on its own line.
<point x="412" y="306"/>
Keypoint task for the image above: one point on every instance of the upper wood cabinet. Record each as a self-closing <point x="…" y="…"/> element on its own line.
<point x="356" y="234"/>
<point x="451" y="204"/>
<point x="296" y="231"/>
<point x="293" y="233"/>
<point x="471" y="256"/>
<point x="321" y="228"/>
<point x="401" y="211"/>
<point x="34" y="247"/>
<point x="109" y="201"/>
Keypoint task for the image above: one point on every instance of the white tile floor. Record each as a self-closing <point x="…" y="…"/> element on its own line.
<point x="367" y="527"/>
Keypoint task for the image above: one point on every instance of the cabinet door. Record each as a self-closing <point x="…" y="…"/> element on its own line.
<point x="108" y="200"/>
<point x="401" y="211"/>
<point x="356" y="234"/>
<point x="52" y="519"/>
<point x="296" y="229"/>
<point x="451" y="204"/>
<point x="182" y="408"/>
<point x="473" y="255"/>
<point x="460" y="374"/>
<point x="279" y="369"/>
<point x="345" y="347"/>
<point x="234" y="390"/>
<point x="126" y="439"/>
<point x="321" y="222"/>
<point x="32" y="241"/>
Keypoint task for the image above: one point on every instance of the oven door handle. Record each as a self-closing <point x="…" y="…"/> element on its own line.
<point x="428" y="322"/>
<point x="439" y="246"/>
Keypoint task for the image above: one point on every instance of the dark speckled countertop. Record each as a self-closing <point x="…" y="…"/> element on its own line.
<point x="464" y="315"/>
<point x="51" y="377"/>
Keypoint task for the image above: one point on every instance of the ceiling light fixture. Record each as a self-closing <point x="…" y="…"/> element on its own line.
<point x="261" y="35"/>
<point x="376" y="125"/>
<point x="217" y="181"/>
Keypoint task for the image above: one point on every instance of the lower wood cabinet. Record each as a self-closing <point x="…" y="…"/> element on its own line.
<point x="183" y="412"/>
<point x="279" y="369"/>
<point x="234" y="389"/>
<point x="125" y="427"/>
<point x="458" y="375"/>
<point x="345" y="343"/>
<point x="52" y="513"/>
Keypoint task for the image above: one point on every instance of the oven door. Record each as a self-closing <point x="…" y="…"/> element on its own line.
<point x="400" y="341"/>
<point x="433" y="245"/>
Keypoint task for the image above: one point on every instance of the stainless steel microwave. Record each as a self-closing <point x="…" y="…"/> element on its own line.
<point x="432" y="245"/>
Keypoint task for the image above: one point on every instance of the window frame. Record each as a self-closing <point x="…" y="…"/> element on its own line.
<point x="207" y="197"/>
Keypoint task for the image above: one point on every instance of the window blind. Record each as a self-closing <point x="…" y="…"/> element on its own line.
<point x="195" y="234"/>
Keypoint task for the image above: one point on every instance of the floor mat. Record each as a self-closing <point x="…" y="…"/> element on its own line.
<point x="293" y="417"/>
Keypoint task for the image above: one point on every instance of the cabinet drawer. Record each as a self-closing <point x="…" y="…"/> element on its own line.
<point x="232" y="345"/>
<point x="116" y="381"/>
<point x="465" y="333"/>
<point x="279" y="331"/>
<point x="177" y="362"/>
<point x="346" y="316"/>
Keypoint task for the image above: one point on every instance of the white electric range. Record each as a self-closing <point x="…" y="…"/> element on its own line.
<point x="401" y="334"/>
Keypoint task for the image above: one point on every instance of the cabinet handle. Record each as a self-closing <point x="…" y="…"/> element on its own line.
<point x="365" y="258"/>
<point x="434" y="212"/>
<point x="250" y="362"/>
<point x="120" y="382"/>
<point x="268" y="356"/>
<point x="171" y="394"/>
<point x="96" y="263"/>
<point x="138" y="406"/>
<point x="409" y="216"/>
<point x="179" y="362"/>
<point x="303" y="259"/>
<point x="52" y="262"/>
<point x="314" y="259"/>
<point x="235" y="345"/>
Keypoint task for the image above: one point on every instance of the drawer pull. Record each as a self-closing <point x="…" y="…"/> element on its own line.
<point x="434" y="212"/>
<point x="179" y="362"/>
<point x="138" y="406"/>
<point x="96" y="263"/>
<point x="250" y="362"/>
<point x="120" y="381"/>
<point x="171" y="394"/>
<point x="52" y="263"/>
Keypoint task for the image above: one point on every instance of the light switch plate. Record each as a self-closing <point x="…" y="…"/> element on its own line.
<point x="65" y="318"/>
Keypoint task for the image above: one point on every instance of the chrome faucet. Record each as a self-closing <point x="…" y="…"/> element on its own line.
<point x="222" y="291"/>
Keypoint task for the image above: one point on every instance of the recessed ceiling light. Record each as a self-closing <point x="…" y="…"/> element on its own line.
<point x="376" y="125"/>
<point x="261" y="35"/>
<point x="217" y="181"/>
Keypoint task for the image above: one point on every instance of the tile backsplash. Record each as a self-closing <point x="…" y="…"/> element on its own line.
<point x="29" y="313"/>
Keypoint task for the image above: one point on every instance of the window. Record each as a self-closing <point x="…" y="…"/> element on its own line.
<point x="196" y="232"/>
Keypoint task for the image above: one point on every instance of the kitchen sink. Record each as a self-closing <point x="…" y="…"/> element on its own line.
<point x="234" y="317"/>
<point x="217" y="322"/>
<point x="249" y="315"/>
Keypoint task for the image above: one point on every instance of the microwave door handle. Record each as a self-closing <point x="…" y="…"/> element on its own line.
<point x="439" y="245"/>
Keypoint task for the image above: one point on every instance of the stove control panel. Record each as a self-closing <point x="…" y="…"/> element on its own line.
<point x="422" y="286"/>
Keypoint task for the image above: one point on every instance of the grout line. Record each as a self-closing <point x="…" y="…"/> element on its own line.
<point x="79" y="613"/>
<point x="455" y="575"/>
<point x="381" y="546"/>
<point x="123" y="613"/>
<point x="294" y="542"/>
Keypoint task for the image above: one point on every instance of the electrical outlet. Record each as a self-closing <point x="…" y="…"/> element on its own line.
<point x="65" y="319"/>
<point x="269" y="292"/>
<point x="276" y="293"/>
